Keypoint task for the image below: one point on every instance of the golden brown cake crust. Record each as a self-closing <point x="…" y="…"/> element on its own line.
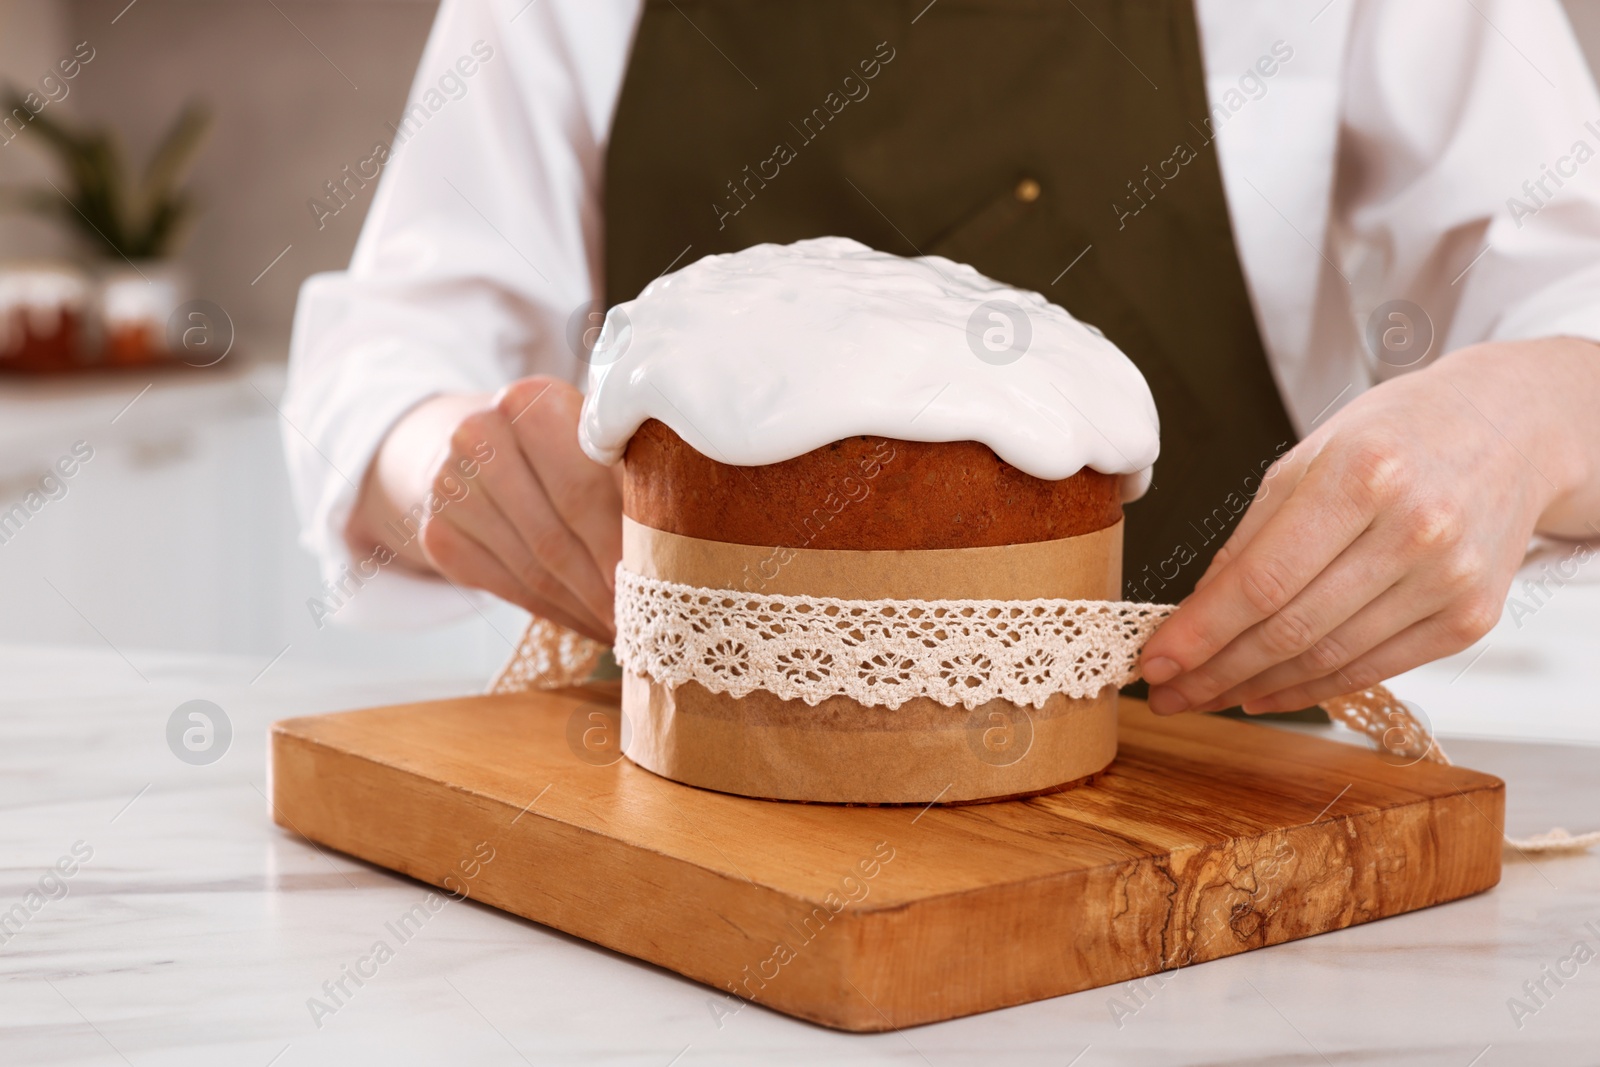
<point x="860" y="493"/>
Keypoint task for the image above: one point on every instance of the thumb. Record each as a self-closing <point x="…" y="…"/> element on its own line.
<point x="1277" y="485"/>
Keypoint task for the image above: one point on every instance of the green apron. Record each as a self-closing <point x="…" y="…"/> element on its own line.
<point x="1059" y="147"/>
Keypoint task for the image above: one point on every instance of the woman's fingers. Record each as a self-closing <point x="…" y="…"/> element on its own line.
<point x="1441" y="634"/>
<point x="1397" y="609"/>
<point x="476" y="516"/>
<point x="488" y="520"/>
<point x="1360" y="578"/>
<point x="1276" y="485"/>
<point x="456" y="555"/>
<point x="1414" y="561"/>
<point x="1333" y="504"/>
<point x="544" y="541"/>
<point x="1306" y="594"/>
<point x="543" y="415"/>
<point x="1314" y="629"/>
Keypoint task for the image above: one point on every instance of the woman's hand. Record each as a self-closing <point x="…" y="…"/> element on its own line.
<point x="495" y="493"/>
<point x="1389" y="537"/>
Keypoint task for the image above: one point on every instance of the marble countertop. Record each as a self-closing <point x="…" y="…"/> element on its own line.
<point x="191" y="930"/>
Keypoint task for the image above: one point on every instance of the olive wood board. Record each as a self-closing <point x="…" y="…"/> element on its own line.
<point x="1205" y="838"/>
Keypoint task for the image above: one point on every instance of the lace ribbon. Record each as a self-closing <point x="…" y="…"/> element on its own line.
<point x="549" y="656"/>
<point x="885" y="652"/>
<point x="880" y="653"/>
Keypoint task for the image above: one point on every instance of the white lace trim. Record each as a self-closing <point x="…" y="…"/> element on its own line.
<point x="885" y="652"/>
<point x="878" y="652"/>
<point x="549" y="656"/>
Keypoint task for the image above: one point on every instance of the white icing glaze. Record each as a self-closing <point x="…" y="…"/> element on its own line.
<point x="763" y="355"/>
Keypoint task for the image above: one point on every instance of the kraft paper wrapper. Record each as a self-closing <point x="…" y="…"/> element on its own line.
<point x="1087" y="567"/>
<point x="841" y="751"/>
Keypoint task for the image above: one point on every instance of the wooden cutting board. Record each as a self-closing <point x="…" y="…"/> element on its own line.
<point x="1205" y="838"/>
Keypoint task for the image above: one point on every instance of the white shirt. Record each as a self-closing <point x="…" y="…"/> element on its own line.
<point x="1436" y="151"/>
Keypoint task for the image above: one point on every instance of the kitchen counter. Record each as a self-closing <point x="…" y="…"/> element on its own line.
<point x="192" y="930"/>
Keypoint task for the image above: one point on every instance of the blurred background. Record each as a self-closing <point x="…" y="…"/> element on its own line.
<point x="177" y="533"/>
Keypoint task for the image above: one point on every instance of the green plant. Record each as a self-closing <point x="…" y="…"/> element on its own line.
<point x="100" y="199"/>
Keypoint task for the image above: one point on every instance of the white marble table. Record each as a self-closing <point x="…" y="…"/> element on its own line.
<point x="197" y="930"/>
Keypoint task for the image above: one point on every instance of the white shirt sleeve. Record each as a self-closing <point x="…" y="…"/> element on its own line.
<point x="482" y="241"/>
<point x="1469" y="169"/>
<point x="1375" y="156"/>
